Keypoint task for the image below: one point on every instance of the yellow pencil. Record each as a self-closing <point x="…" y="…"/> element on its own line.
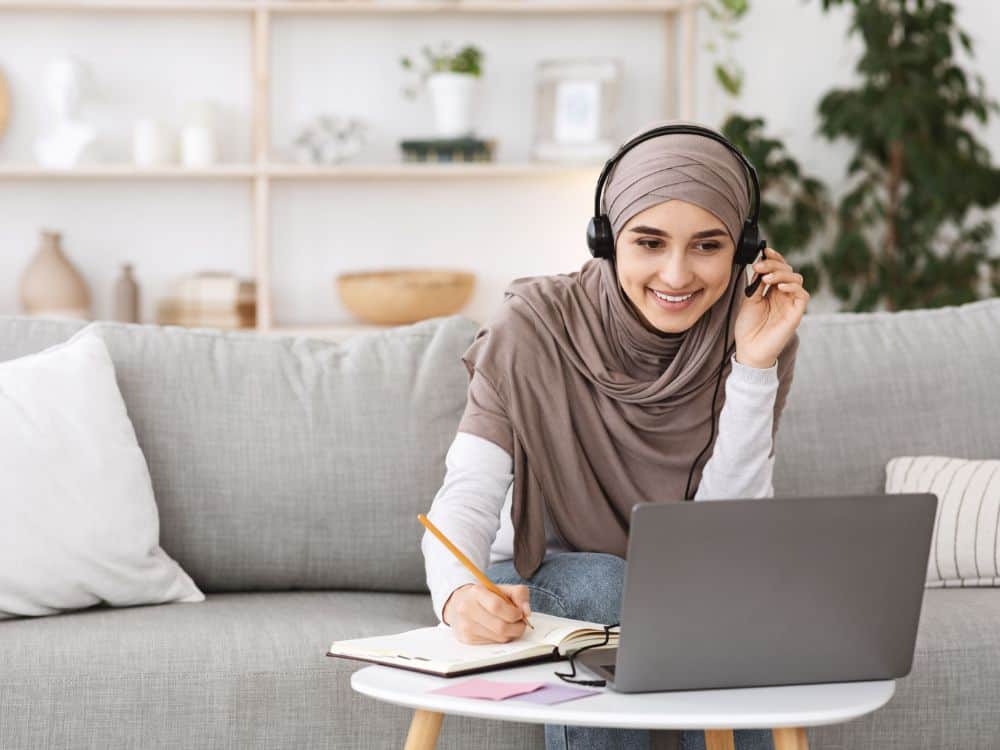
<point x="468" y="564"/>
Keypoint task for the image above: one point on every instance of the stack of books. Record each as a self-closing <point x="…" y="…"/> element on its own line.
<point x="210" y="299"/>
<point x="449" y="150"/>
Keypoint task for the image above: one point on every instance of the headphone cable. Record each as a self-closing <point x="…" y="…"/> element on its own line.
<point x="722" y="366"/>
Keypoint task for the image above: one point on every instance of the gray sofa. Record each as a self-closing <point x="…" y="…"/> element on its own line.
<point x="288" y="474"/>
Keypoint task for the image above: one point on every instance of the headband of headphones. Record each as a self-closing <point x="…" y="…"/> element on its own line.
<point x="600" y="236"/>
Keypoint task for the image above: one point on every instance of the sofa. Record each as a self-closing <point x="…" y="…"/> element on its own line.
<point x="288" y="473"/>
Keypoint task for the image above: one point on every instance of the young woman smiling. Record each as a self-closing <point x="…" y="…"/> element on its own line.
<point x="595" y="390"/>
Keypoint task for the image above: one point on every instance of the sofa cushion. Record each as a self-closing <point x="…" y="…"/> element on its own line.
<point x="872" y="386"/>
<point x="78" y="522"/>
<point x="965" y="546"/>
<point x="249" y="671"/>
<point x="21" y="335"/>
<point x="362" y="428"/>
<point x="281" y="463"/>
<point x="950" y="697"/>
<point x="238" y="671"/>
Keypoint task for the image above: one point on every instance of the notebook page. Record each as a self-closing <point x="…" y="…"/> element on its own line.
<point x="553" y="630"/>
<point x="434" y="644"/>
<point x="438" y="646"/>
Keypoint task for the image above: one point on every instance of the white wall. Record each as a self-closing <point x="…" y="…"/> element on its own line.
<point x="152" y="65"/>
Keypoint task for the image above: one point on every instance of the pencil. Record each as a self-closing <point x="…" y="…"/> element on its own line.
<point x="469" y="564"/>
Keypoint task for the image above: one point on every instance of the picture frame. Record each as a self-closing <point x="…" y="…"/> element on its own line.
<point x="577" y="109"/>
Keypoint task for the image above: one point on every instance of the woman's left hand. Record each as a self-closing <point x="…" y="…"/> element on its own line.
<point x="766" y="324"/>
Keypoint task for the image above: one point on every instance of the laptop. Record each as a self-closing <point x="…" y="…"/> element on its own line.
<point x="770" y="591"/>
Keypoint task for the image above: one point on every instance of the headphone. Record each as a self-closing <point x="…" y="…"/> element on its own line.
<point x="601" y="238"/>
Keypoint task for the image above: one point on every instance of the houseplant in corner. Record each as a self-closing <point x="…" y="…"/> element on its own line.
<point x="914" y="228"/>
<point x="453" y="80"/>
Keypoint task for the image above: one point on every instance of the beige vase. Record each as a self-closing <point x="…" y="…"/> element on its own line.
<point x="52" y="286"/>
<point x="125" y="302"/>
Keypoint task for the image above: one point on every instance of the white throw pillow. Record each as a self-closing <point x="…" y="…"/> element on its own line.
<point x="964" y="547"/>
<point x="78" y="522"/>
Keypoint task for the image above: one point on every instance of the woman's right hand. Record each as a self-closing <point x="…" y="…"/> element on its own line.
<point x="477" y="615"/>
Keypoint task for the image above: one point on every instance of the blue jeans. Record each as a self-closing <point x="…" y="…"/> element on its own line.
<point x="588" y="586"/>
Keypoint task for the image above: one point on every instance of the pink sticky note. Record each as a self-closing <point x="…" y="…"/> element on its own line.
<point x="488" y="689"/>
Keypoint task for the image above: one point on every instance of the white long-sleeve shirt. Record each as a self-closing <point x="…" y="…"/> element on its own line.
<point x="473" y="506"/>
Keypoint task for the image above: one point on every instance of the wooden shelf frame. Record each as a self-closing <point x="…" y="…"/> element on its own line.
<point x="390" y="171"/>
<point x="126" y="172"/>
<point x="310" y="7"/>
<point x="679" y="15"/>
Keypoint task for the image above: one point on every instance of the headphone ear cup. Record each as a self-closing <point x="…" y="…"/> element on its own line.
<point x="750" y="245"/>
<point x="600" y="237"/>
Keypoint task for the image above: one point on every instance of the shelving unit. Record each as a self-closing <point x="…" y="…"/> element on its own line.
<point x="261" y="171"/>
<point x="287" y="171"/>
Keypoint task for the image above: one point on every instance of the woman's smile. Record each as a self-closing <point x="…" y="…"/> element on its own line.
<point x="673" y="306"/>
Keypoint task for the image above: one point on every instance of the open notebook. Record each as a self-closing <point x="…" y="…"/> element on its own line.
<point x="436" y="650"/>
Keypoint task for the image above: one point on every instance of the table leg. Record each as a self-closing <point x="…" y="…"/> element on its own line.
<point x="424" y="729"/>
<point x="790" y="738"/>
<point x="719" y="739"/>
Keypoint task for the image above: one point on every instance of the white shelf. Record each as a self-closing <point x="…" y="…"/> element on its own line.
<point x="297" y="172"/>
<point x="328" y="331"/>
<point x="125" y="172"/>
<point x="477" y="6"/>
<point x="158" y="6"/>
<point x="353" y="6"/>
<point x="430" y="170"/>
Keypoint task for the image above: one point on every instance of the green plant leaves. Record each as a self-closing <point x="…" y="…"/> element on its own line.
<point x="467" y="60"/>
<point x="902" y="232"/>
<point x="793" y="206"/>
<point x="729" y="77"/>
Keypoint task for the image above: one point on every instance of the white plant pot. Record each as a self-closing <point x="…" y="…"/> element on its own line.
<point x="454" y="96"/>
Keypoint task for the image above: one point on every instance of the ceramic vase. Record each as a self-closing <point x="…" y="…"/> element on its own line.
<point x="198" y="146"/>
<point x="125" y="304"/>
<point x="152" y="144"/>
<point x="52" y="286"/>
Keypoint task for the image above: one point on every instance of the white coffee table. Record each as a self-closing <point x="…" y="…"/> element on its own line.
<point x="787" y="710"/>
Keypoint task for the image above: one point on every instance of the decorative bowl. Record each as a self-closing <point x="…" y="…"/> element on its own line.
<point x="401" y="296"/>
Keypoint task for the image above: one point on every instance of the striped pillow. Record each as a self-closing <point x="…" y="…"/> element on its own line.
<point x="964" y="546"/>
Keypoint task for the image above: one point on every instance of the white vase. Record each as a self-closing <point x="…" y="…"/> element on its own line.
<point x="197" y="146"/>
<point x="454" y="96"/>
<point x="152" y="144"/>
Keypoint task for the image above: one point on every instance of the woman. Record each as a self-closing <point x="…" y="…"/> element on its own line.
<point x="592" y="391"/>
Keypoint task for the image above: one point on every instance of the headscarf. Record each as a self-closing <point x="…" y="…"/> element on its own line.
<point x="598" y="411"/>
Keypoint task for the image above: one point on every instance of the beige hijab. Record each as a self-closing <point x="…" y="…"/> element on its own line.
<point x="598" y="411"/>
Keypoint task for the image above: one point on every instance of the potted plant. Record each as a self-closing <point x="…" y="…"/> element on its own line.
<point x="453" y="80"/>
